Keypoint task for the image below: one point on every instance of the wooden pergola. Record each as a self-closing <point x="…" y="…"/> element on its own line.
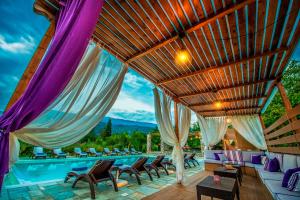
<point x="238" y="49"/>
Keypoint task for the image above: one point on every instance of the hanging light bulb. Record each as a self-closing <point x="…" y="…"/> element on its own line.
<point x="218" y="104"/>
<point x="182" y="55"/>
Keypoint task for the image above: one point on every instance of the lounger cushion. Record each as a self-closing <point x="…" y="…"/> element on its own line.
<point x="213" y="161"/>
<point x="275" y="188"/>
<point x="210" y="154"/>
<point x="289" y="162"/>
<point x="265" y="175"/>
<point x="247" y="155"/>
<point x="286" y="197"/>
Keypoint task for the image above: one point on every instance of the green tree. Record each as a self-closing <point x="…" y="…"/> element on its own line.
<point x="107" y="129"/>
<point x="291" y="82"/>
<point x="195" y="127"/>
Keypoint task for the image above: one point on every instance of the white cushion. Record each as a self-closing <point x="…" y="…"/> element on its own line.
<point x="286" y="197"/>
<point x="247" y="155"/>
<point x="289" y="162"/>
<point x="213" y="161"/>
<point x="209" y="154"/>
<point x="266" y="175"/>
<point x="249" y="164"/>
<point x="275" y="188"/>
<point x="263" y="159"/>
<point x="258" y="167"/>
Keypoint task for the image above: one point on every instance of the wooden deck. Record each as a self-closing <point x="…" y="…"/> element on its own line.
<point x="251" y="189"/>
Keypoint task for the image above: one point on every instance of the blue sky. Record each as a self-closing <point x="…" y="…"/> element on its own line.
<point x="21" y="31"/>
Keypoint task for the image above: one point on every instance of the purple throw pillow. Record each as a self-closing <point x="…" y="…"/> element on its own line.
<point x="273" y="165"/>
<point x="266" y="164"/>
<point x="287" y="176"/>
<point x="293" y="181"/>
<point x="217" y="156"/>
<point x="256" y="159"/>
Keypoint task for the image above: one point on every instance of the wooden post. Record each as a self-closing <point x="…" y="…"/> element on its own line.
<point x="262" y="122"/>
<point x="32" y="66"/>
<point x="149" y="143"/>
<point x="286" y="102"/>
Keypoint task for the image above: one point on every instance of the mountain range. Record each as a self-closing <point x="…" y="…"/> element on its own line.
<point x="121" y="126"/>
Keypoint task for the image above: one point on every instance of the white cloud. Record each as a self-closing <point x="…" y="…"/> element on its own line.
<point x="24" y="45"/>
<point x="135" y="81"/>
<point x="128" y="103"/>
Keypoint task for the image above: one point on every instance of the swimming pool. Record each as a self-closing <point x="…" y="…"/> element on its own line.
<point x="35" y="171"/>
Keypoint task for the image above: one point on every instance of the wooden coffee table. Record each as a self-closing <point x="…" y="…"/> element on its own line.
<point x="230" y="173"/>
<point x="226" y="189"/>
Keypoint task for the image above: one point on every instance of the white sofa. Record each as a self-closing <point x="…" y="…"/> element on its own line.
<point x="272" y="180"/>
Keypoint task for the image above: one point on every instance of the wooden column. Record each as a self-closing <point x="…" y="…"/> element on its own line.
<point x="149" y="143"/>
<point x="286" y="102"/>
<point x="32" y="66"/>
<point x="262" y="122"/>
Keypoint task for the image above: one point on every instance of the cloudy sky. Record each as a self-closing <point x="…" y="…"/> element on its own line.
<point x="20" y="32"/>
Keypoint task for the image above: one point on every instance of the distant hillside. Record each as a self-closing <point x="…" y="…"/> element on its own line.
<point x="121" y="126"/>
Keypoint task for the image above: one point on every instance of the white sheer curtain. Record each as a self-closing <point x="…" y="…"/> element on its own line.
<point x="250" y="128"/>
<point x="163" y="118"/>
<point x="80" y="107"/>
<point x="212" y="129"/>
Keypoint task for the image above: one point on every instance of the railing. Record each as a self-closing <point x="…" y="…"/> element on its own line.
<point x="284" y="135"/>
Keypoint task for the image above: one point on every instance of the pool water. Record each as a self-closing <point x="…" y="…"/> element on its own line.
<point x="34" y="171"/>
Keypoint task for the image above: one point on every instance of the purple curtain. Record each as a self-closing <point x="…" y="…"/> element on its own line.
<point x="75" y="25"/>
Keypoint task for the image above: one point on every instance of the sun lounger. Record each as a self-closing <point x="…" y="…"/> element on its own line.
<point x="79" y="153"/>
<point x="191" y="159"/>
<point x="126" y="150"/>
<point x="117" y="151"/>
<point x="101" y="171"/>
<point x="136" y="169"/>
<point x="93" y="152"/>
<point x="108" y="152"/>
<point x="156" y="164"/>
<point x="59" y="153"/>
<point x="133" y="151"/>
<point x="38" y="152"/>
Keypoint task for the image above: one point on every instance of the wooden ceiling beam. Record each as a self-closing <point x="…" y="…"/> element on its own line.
<point x="221" y="13"/>
<point x="228" y="100"/>
<point x="229" y="109"/>
<point x="198" y="72"/>
<point x="226" y="88"/>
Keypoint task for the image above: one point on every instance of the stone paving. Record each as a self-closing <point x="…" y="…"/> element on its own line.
<point x="104" y="191"/>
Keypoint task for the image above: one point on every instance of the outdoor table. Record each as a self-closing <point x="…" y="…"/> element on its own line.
<point x="230" y="173"/>
<point x="240" y="173"/>
<point x="226" y="189"/>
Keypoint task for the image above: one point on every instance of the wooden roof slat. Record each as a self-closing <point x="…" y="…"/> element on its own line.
<point x="237" y="47"/>
<point x="268" y="53"/>
<point x="229" y="100"/>
<point x="220" y="14"/>
<point x="227" y="87"/>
